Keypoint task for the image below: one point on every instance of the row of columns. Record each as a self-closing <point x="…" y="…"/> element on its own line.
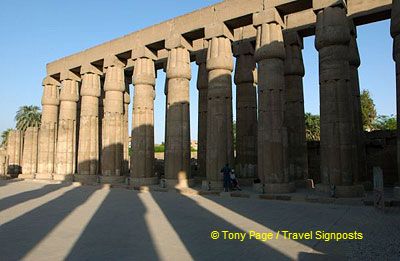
<point x="270" y="135"/>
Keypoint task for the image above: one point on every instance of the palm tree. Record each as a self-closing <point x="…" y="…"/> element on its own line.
<point x="28" y="116"/>
<point x="4" y="137"/>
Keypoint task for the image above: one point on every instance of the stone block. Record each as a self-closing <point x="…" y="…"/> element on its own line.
<point x="138" y="182"/>
<point x="86" y="179"/>
<point x="43" y="176"/>
<point x="218" y="30"/>
<point x="177" y="40"/>
<point x="267" y="16"/>
<point x="26" y="176"/>
<point x="112" y="179"/>
<point x="61" y="177"/>
<point x="321" y="4"/>
<point x="279" y="188"/>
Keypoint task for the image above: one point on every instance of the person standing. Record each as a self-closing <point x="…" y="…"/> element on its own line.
<point x="226" y="171"/>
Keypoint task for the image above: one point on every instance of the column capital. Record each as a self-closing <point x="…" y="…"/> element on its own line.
<point x="270" y="15"/>
<point x="69" y="91"/>
<point x="144" y="72"/>
<point x="219" y="55"/>
<point x="293" y="38"/>
<point x="269" y="42"/>
<point x="332" y="28"/>
<point x="217" y="30"/>
<point x="242" y="48"/>
<point x="51" y="94"/>
<point x="89" y="68"/>
<point x="178" y="64"/>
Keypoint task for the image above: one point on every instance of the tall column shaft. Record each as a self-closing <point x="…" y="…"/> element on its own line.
<point x="48" y="129"/>
<point x="294" y="107"/>
<point x="202" y="86"/>
<point x="219" y="118"/>
<point x="14" y="152"/>
<point x="113" y="122"/>
<point x="395" y="32"/>
<point x="142" y="157"/>
<point x="30" y="152"/>
<point x="359" y="152"/>
<point x="246" y="110"/>
<point x="332" y="42"/>
<point x="66" y="139"/>
<point x="127" y="101"/>
<point x="88" y="154"/>
<point x="272" y="134"/>
<point x="177" y="157"/>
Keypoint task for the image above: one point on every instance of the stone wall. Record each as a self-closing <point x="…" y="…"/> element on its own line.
<point x="381" y="151"/>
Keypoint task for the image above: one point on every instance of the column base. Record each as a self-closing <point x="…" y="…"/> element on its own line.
<point x="138" y="182"/>
<point x="354" y="191"/>
<point x="215" y="185"/>
<point x="179" y="183"/>
<point x="61" y="177"/>
<point x="86" y="179"/>
<point x="279" y="188"/>
<point x="26" y="176"/>
<point x="44" y="176"/>
<point x="112" y="179"/>
<point x="304" y="183"/>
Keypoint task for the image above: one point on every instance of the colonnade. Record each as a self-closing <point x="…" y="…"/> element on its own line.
<point x="84" y="131"/>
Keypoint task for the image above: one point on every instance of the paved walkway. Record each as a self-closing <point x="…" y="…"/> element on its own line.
<point x="41" y="221"/>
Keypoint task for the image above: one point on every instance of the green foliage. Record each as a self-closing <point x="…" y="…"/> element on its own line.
<point x="4" y="137"/>
<point x="312" y="127"/>
<point x="368" y="110"/>
<point x="384" y="122"/>
<point x="159" y="148"/>
<point x="28" y="116"/>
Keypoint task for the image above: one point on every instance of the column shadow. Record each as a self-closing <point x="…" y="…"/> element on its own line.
<point x="193" y="224"/>
<point x="117" y="231"/>
<point x="22" y="234"/>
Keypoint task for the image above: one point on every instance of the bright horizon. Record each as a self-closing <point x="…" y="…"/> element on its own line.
<point x="40" y="32"/>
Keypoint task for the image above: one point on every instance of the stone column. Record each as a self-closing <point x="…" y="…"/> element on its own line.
<point x="272" y="134"/>
<point x="127" y="101"/>
<point x="360" y="161"/>
<point x="113" y="122"/>
<point x="3" y="162"/>
<point x="177" y="161"/>
<point x="88" y="154"/>
<point x="246" y="110"/>
<point x="395" y="32"/>
<point x="337" y="130"/>
<point x="66" y="139"/>
<point x="202" y="86"/>
<point x="219" y="107"/>
<point x="142" y="157"/>
<point x="294" y="108"/>
<point x="30" y="153"/>
<point x="48" y="129"/>
<point x="14" y="152"/>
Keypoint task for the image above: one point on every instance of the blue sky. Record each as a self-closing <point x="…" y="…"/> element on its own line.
<point x="37" y="32"/>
